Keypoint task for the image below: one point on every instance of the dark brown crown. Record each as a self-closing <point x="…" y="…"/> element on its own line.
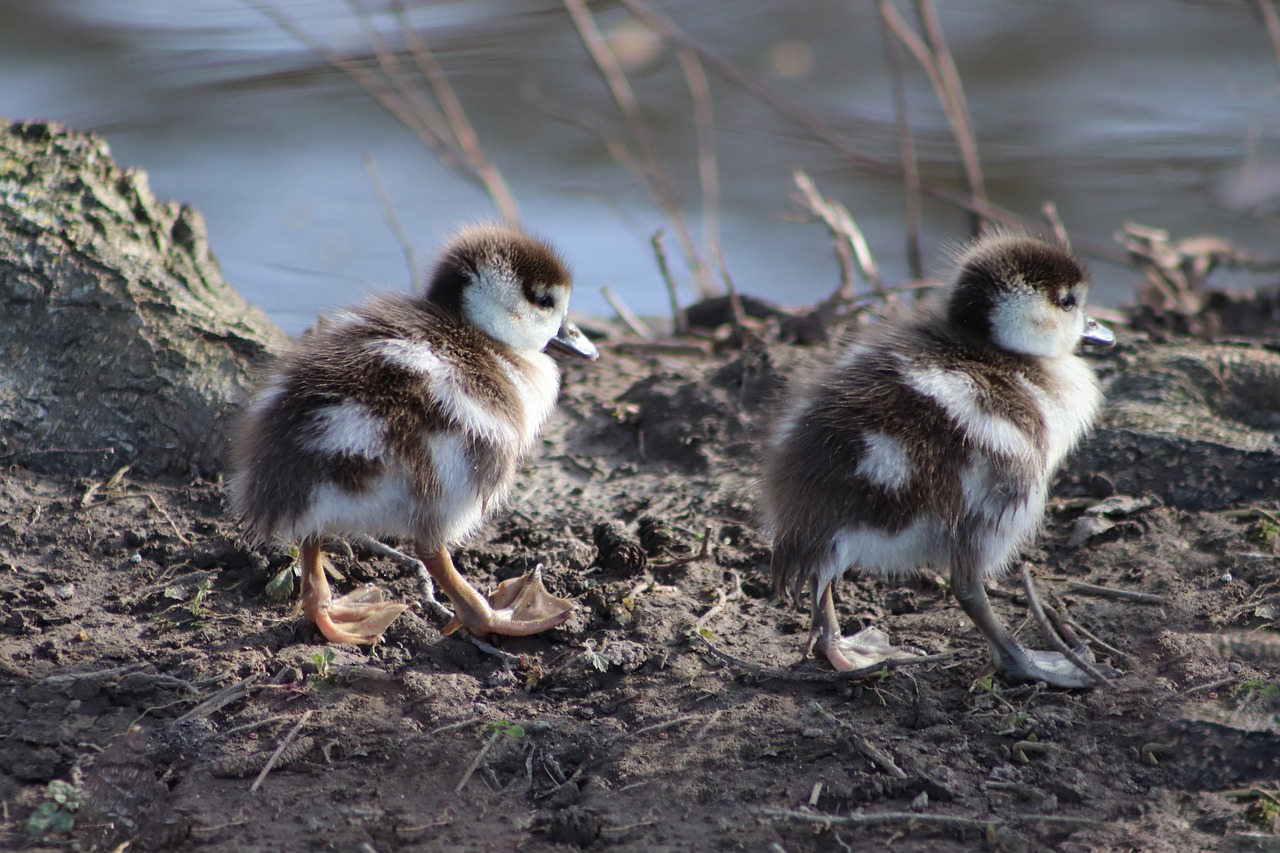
<point x="1002" y="263"/>
<point x="504" y="250"/>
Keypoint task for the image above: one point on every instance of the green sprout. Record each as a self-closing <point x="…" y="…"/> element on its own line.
<point x="502" y="727"/>
<point x="324" y="663"/>
<point x="57" y="814"/>
<point x="1263" y="532"/>
<point x="280" y="586"/>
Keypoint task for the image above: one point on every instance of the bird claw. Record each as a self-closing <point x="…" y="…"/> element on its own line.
<point x="1055" y="669"/>
<point x="868" y="647"/>
<point x="517" y="608"/>
<point x="360" y="617"/>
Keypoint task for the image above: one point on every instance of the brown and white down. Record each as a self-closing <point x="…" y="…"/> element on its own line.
<point x="408" y="416"/>
<point x="933" y="441"/>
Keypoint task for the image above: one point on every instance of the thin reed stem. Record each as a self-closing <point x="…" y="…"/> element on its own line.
<point x="658" y="179"/>
<point x="906" y="146"/>
<point x="464" y="133"/>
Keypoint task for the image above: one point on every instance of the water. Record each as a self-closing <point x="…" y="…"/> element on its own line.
<point x="1157" y="111"/>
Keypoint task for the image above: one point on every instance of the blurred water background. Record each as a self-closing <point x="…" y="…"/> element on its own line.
<point x="1163" y="112"/>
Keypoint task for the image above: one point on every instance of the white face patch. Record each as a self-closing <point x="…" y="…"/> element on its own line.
<point x="345" y="429"/>
<point x="495" y="303"/>
<point x="954" y="392"/>
<point x="444" y="381"/>
<point x="885" y="462"/>
<point x="1031" y="322"/>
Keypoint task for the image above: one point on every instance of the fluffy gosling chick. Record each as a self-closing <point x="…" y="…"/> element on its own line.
<point x="932" y="441"/>
<point x="408" y="416"/>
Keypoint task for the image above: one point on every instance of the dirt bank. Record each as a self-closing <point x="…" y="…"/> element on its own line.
<point x="129" y="601"/>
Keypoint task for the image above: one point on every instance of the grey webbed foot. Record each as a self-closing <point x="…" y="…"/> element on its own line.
<point x="1053" y="668"/>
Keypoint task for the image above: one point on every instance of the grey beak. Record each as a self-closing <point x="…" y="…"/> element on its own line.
<point x="571" y="340"/>
<point x="1097" y="334"/>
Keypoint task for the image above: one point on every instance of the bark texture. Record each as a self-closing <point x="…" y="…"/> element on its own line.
<point x="120" y="342"/>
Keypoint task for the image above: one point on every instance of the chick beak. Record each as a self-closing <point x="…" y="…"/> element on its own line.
<point x="571" y="340"/>
<point x="1097" y="334"/>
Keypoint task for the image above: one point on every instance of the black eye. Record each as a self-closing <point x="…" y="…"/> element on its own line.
<point x="545" y="300"/>
<point x="1067" y="301"/>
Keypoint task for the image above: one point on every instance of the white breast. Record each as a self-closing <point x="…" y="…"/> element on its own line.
<point x="459" y="509"/>
<point x="1071" y="409"/>
<point x="875" y="551"/>
<point x="537" y="386"/>
<point x="1001" y="523"/>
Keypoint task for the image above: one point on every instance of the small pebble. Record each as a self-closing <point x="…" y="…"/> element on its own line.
<point x="812" y="733"/>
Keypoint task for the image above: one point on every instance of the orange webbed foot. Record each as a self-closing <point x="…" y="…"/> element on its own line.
<point x="358" y="618"/>
<point x="519" y="607"/>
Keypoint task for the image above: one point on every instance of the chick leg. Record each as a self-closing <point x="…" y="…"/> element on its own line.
<point x="359" y="617"/>
<point x="868" y="647"/>
<point x="517" y="608"/>
<point x="1012" y="660"/>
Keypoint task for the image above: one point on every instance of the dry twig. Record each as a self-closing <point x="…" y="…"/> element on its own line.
<point x="1042" y="621"/>
<point x="918" y="819"/>
<point x="660" y="183"/>
<point x="626" y="315"/>
<point x="389" y="214"/>
<point x="220" y="700"/>
<point x="781" y="674"/>
<point x="1121" y="594"/>
<point x="484" y="750"/>
<point x="444" y="129"/>
<point x="837" y="141"/>
<point x="703" y="552"/>
<point x="872" y="752"/>
<point x="680" y="320"/>
<point x="722" y="600"/>
<point x="275" y="756"/>
<point x="906" y="146"/>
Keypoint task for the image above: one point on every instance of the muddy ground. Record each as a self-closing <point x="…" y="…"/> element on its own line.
<point x="131" y="603"/>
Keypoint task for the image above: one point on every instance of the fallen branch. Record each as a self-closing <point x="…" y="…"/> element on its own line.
<point x="1121" y="594"/>
<point x="916" y="819"/>
<point x="824" y="677"/>
<point x="220" y="700"/>
<point x="872" y="752"/>
<point x="1042" y="621"/>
